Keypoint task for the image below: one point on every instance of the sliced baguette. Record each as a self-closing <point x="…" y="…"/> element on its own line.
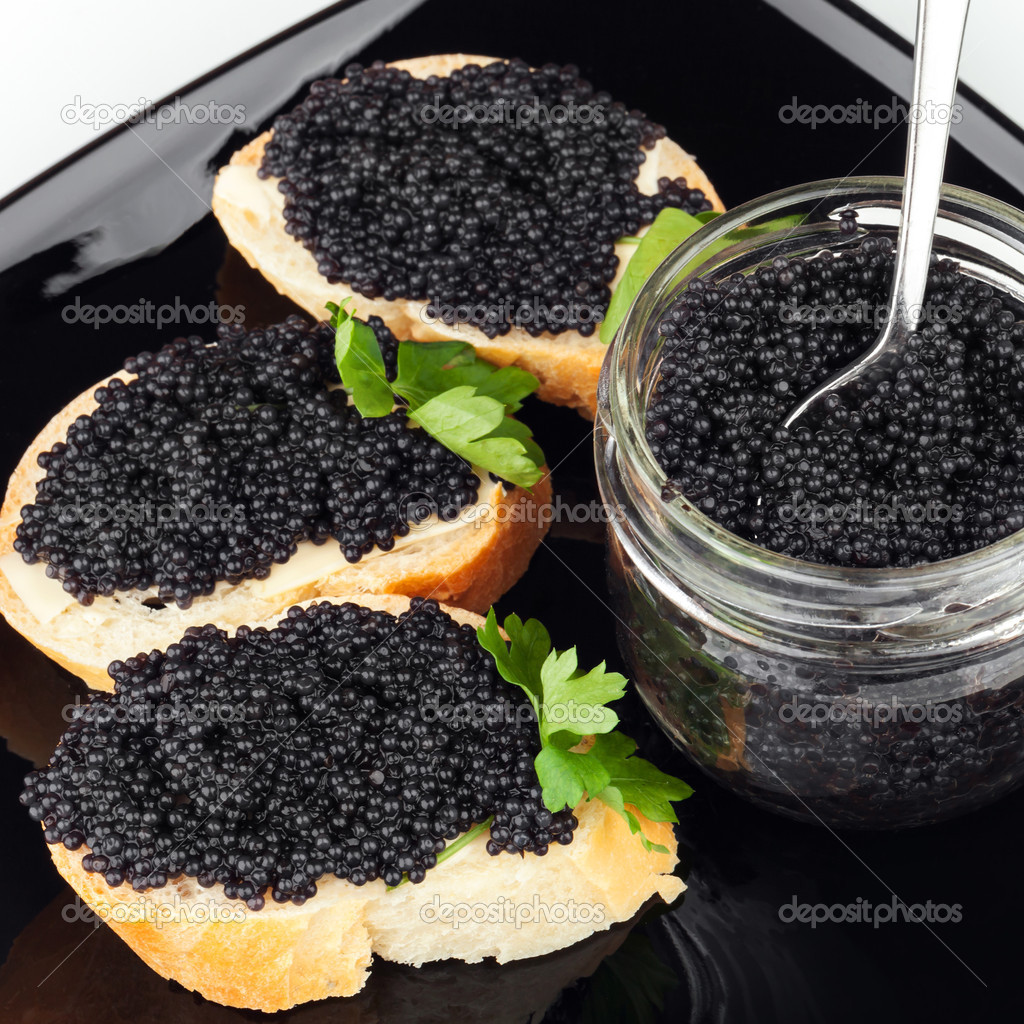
<point x="286" y="954"/>
<point x="471" y="566"/>
<point x="250" y="210"/>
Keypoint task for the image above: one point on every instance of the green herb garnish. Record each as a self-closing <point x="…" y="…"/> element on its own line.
<point x="707" y="215"/>
<point x="462" y="401"/>
<point x="571" y="704"/>
<point x="670" y="228"/>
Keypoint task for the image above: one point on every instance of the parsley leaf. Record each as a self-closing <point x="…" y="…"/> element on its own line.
<point x="571" y="710"/>
<point x="565" y="776"/>
<point x="530" y="643"/>
<point x="462" y="401"/>
<point x="426" y="369"/>
<point x="360" y="363"/>
<point x="670" y="228"/>
<point x="637" y="782"/>
<point x="476" y="427"/>
<point x="582" y="695"/>
<point x="668" y="231"/>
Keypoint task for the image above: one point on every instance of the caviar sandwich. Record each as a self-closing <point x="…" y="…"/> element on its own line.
<point x="461" y="198"/>
<point x="224" y="482"/>
<point x="256" y="815"/>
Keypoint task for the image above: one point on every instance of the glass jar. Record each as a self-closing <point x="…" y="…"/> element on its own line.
<point x="852" y="697"/>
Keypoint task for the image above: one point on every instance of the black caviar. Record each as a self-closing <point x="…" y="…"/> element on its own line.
<point x="845" y="748"/>
<point x="344" y="741"/>
<point x="852" y="758"/>
<point x="218" y="459"/>
<point x="489" y="192"/>
<point x="920" y="463"/>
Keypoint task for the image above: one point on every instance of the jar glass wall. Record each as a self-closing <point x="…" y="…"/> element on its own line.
<point x="855" y="697"/>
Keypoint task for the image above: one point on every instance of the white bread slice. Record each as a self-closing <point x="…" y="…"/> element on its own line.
<point x="285" y="954"/>
<point x="471" y="566"/>
<point x="250" y="211"/>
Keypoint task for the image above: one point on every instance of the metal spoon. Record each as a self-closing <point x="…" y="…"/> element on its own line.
<point x="940" y="34"/>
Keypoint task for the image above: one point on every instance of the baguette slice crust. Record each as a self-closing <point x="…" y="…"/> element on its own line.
<point x="250" y="211"/>
<point x="470" y="567"/>
<point x="470" y="907"/>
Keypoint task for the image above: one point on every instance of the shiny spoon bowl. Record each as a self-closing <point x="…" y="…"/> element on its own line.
<point x="940" y="33"/>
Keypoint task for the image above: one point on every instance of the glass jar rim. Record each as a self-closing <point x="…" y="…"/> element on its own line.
<point x="627" y="401"/>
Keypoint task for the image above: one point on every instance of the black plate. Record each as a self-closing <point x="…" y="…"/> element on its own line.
<point x="117" y="225"/>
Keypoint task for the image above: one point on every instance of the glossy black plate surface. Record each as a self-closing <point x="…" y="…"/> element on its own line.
<point x="121" y="224"/>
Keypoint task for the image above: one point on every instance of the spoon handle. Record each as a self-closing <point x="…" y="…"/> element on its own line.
<point x="940" y="33"/>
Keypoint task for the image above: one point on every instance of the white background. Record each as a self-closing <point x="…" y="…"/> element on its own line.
<point x="991" y="62"/>
<point x="112" y="51"/>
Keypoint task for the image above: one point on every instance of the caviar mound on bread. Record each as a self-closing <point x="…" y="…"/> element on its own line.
<point x="257" y="815"/>
<point x="224" y="482"/>
<point x="462" y="198"/>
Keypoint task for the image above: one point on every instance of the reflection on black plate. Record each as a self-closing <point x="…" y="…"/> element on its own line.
<point x="37" y="698"/>
<point x="112" y="985"/>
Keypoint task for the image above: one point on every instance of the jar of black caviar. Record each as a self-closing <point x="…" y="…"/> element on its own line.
<point x="853" y="696"/>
